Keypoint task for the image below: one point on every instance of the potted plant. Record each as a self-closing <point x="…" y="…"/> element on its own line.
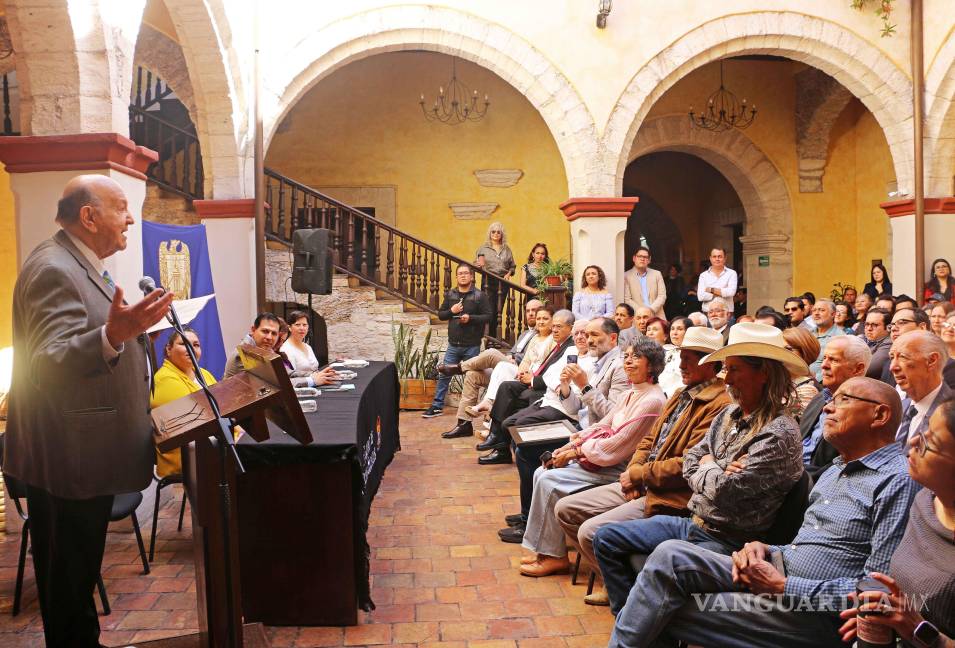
<point x="417" y="367"/>
<point x="555" y="271"/>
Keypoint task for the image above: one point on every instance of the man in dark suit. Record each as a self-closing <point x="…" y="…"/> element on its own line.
<point x="515" y="395"/>
<point x="917" y="360"/>
<point x="78" y="430"/>
<point x="845" y="357"/>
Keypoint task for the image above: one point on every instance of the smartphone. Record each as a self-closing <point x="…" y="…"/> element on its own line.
<point x="571" y="359"/>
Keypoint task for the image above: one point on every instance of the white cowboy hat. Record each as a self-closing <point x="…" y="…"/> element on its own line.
<point x="759" y="341"/>
<point x="702" y="339"/>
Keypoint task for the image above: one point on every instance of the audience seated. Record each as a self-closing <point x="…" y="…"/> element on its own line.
<point x="923" y="565"/>
<point x="176" y="378"/>
<point x="916" y="361"/>
<point x="823" y="314"/>
<point x="718" y="314"/>
<point x="886" y="301"/>
<point x="597" y="455"/>
<point x="623" y="316"/>
<point x="653" y="482"/>
<point x="530" y="387"/>
<point x="876" y="332"/>
<point x="698" y="319"/>
<point x="805" y="345"/>
<point x="264" y="334"/>
<point x="479" y="372"/>
<point x="855" y="520"/>
<point x="740" y="471"/>
<point x="670" y="380"/>
<point x="845" y="357"/>
<point x="862" y="305"/>
<point x="771" y="318"/>
<point x="596" y="392"/>
<point x="295" y="348"/>
<point x="794" y="309"/>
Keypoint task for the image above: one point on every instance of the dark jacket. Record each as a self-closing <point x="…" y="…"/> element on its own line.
<point x="478" y="308"/>
<point x="873" y="293"/>
<point x="824" y="453"/>
<point x="880" y="357"/>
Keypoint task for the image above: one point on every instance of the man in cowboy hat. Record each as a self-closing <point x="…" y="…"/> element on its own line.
<point x="653" y="482"/>
<point x="740" y="472"/>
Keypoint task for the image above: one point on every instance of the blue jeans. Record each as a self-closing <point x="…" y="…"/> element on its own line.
<point x="614" y="544"/>
<point x="452" y="355"/>
<point x="686" y="593"/>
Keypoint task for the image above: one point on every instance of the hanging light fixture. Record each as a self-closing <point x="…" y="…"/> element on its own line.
<point x="723" y="111"/>
<point x="455" y="104"/>
<point x="6" y="43"/>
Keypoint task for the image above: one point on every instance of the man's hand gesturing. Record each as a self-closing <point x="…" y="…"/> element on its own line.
<point x="124" y="322"/>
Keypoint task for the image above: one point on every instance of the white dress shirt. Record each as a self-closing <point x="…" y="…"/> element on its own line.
<point x="726" y="282"/>
<point x="921" y="409"/>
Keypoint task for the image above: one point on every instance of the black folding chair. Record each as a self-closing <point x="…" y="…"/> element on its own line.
<point x="161" y="483"/>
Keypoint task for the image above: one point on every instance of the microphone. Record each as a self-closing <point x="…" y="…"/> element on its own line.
<point x="147" y="285"/>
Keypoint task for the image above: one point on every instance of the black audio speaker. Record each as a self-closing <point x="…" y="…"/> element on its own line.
<point x="312" y="261"/>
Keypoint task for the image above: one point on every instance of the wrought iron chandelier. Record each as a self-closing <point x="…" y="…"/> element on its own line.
<point x="723" y="111"/>
<point x="456" y="104"/>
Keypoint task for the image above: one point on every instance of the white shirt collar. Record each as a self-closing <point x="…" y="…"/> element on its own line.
<point x="90" y="256"/>
<point x="922" y="406"/>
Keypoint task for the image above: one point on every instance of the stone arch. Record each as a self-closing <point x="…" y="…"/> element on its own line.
<point x="163" y="56"/>
<point x="220" y="113"/>
<point x="761" y="189"/>
<point x="820" y="100"/>
<point x="940" y="121"/>
<point x="447" y="31"/>
<point x="855" y="63"/>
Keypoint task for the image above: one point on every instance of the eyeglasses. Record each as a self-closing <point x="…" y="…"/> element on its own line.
<point x="842" y="399"/>
<point x="922" y="446"/>
<point x="948" y="325"/>
<point x="642" y="256"/>
<point x="902" y="322"/>
<point x="872" y="325"/>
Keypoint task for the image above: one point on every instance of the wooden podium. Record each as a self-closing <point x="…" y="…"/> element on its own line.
<point x="262" y="392"/>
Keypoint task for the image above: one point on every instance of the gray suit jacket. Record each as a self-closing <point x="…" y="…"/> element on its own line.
<point x="608" y="385"/>
<point x="656" y="290"/>
<point x="78" y="426"/>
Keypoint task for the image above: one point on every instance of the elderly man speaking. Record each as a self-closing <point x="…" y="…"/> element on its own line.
<point x="78" y="431"/>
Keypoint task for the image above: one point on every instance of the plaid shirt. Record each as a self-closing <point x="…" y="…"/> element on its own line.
<point x="856" y="517"/>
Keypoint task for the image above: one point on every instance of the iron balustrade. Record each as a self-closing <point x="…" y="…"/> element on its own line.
<point x="179" y="168"/>
<point x="383" y="256"/>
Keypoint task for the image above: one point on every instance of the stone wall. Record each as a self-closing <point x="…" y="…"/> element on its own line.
<point x="359" y="324"/>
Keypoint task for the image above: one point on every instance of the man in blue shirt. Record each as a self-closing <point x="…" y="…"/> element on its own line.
<point x="788" y="595"/>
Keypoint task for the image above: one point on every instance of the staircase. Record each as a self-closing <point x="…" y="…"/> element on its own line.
<point x="379" y="257"/>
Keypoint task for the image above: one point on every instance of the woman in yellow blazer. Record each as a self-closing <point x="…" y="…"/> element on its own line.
<point x="176" y="378"/>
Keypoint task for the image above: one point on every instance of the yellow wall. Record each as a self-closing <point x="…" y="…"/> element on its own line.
<point x="8" y="258"/>
<point x="835" y="233"/>
<point x="363" y="126"/>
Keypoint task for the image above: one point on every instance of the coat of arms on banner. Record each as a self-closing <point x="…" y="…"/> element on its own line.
<point x="174" y="269"/>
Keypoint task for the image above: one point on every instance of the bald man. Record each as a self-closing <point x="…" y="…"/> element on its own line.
<point x="916" y="360"/>
<point x="78" y="431"/>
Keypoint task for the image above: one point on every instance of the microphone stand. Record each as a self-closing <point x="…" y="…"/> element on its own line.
<point x="224" y="440"/>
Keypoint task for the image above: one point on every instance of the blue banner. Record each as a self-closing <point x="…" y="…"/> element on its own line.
<point x="177" y="257"/>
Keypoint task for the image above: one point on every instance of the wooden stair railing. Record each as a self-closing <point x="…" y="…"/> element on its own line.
<point x="383" y="256"/>
<point x="7" y="111"/>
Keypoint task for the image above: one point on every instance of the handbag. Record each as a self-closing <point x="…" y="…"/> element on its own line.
<point x="606" y="432"/>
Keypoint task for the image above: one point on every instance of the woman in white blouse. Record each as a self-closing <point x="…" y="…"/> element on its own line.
<point x="298" y="352"/>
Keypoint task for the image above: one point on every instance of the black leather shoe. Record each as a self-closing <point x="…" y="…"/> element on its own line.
<point x="490" y="443"/>
<point x="460" y="430"/>
<point x="496" y="456"/>
<point x="514" y="520"/>
<point x="450" y="370"/>
<point x="514" y="535"/>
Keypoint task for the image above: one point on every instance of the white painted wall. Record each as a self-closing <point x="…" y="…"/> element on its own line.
<point x="232" y="257"/>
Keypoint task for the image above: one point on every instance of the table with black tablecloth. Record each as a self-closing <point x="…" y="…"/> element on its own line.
<point x="303" y="509"/>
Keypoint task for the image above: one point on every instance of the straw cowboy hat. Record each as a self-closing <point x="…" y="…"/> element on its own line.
<point x="758" y="341"/>
<point x="702" y="339"/>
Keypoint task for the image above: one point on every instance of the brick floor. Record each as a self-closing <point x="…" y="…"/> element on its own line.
<point x="440" y="576"/>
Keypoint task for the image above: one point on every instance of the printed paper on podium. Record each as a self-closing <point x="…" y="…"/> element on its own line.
<point x="187" y="310"/>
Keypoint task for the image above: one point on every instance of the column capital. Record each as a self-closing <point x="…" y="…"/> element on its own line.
<point x="942" y="205"/>
<point x="765" y="244"/>
<point x="81" y="152"/>
<point x="575" y="208"/>
<point x="235" y="208"/>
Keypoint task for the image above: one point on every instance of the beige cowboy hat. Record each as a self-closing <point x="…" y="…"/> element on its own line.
<point x="702" y="339"/>
<point x="758" y="341"/>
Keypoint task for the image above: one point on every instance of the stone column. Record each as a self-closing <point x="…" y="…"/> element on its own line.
<point x="39" y="168"/>
<point x="230" y="231"/>
<point x="767" y="270"/>
<point x="598" y="229"/>
<point x="939" y="234"/>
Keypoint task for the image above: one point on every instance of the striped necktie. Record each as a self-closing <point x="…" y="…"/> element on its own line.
<point x="903" y="434"/>
<point x="109" y="280"/>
